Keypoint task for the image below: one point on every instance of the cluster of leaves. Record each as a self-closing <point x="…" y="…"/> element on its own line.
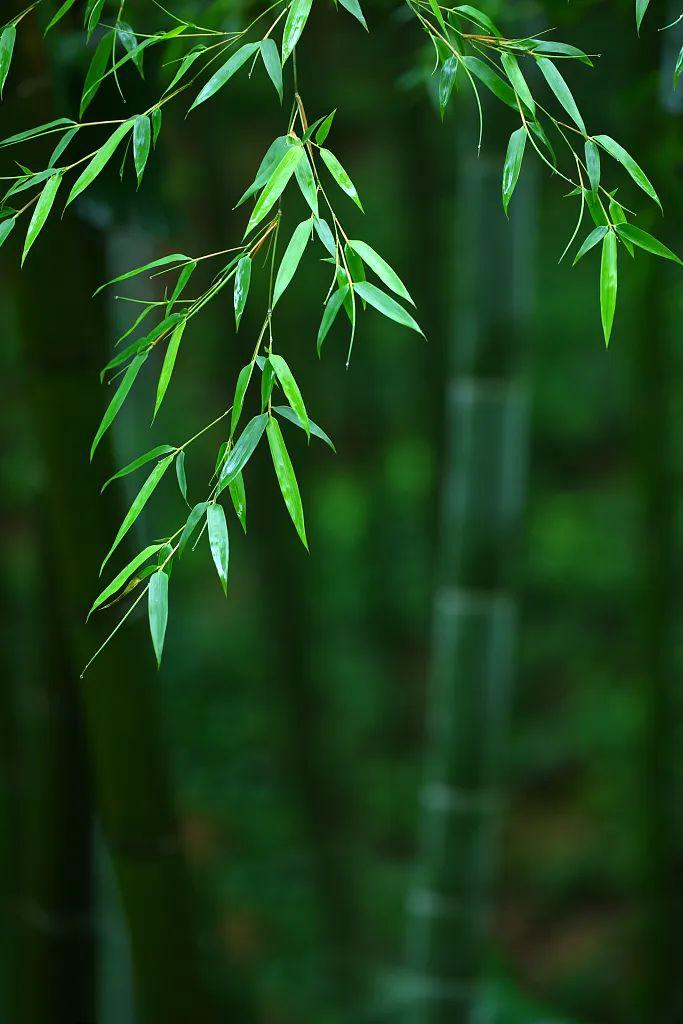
<point x="467" y="45"/>
<point x="641" y="9"/>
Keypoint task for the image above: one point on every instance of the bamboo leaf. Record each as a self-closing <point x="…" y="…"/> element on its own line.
<point x="139" y="503"/>
<point x="385" y="305"/>
<point x="324" y="129"/>
<point x="130" y="43"/>
<point x="324" y="232"/>
<point x="513" y="164"/>
<point x="7" y="41"/>
<point x="219" y="542"/>
<point x="641" y="8"/>
<point x="99" y="161"/>
<point x="41" y="129"/>
<point x="41" y="212"/>
<point x="628" y="163"/>
<point x="157" y="603"/>
<point x="242" y="451"/>
<point x="119" y="398"/>
<point x="193" y="520"/>
<point x="608" y="283"/>
<point x="225" y="73"/>
<point x="239" y="499"/>
<point x="561" y="49"/>
<point x="6" y="227"/>
<point x="294" y="26"/>
<point x="242" y="281"/>
<point x="284" y="472"/>
<point x="306" y="182"/>
<point x="168" y="364"/>
<point x="271" y="60"/>
<point x="333" y="306"/>
<point x="592" y="163"/>
<point x="479" y="18"/>
<point x="447" y="78"/>
<point x="596" y="235"/>
<point x="163" y="261"/>
<point x="123" y="576"/>
<point x="291" y="258"/>
<point x="180" y="473"/>
<point x="385" y="273"/>
<point x="240" y="391"/>
<point x="491" y="79"/>
<point x="96" y="71"/>
<point x="291" y="390"/>
<point x="275" y="186"/>
<point x="316" y="431"/>
<point x="561" y="91"/>
<point x="180" y="285"/>
<point x="354" y="8"/>
<point x="141" y="460"/>
<point x="142" y="140"/>
<point x="184" y="67"/>
<point x="64" y="9"/>
<point x="512" y="70"/>
<point x="340" y="176"/>
<point x="646" y="241"/>
<point x="274" y="154"/>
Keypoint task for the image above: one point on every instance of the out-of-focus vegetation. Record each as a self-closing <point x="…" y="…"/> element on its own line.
<point x="237" y="836"/>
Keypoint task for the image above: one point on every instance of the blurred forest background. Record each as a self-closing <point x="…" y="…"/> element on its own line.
<point x="269" y="830"/>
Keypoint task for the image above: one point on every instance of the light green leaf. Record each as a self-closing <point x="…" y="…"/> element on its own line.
<point x="239" y="499"/>
<point x="512" y="70"/>
<point x="142" y="139"/>
<point x="608" y="283"/>
<point x="316" y="431"/>
<point x="274" y="154"/>
<point x="267" y="383"/>
<point x="154" y="453"/>
<point x="180" y="285"/>
<point x="628" y="163"/>
<point x="294" y="26"/>
<point x="61" y="145"/>
<point x="180" y="473"/>
<point x="6" y="226"/>
<point x="644" y="240"/>
<point x="271" y="60"/>
<point x="354" y="8"/>
<point x="275" y="186"/>
<point x="479" y="18"/>
<point x="242" y="281"/>
<point x="139" y="503"/>
<point x="284" y="472"/>
<point x="124" y="575"/>
<point x="225" y="73"/>
<point x="340" y="176"/>
<point x="184" y="67"/>
<point x="385" y="273"/>
<point x="193" y="520"/>
<point x="592" y="163"/>
<point x="157" y="602"/>
<point x="99" y="161"/>
<point x="291" y="258"/>
<point x="242" y="451"/>
<point x="168" y="364"/>
<point x="156" y="124"/>
<point x="240" y="391"/>
<point x="562" y="49"/>
<point x="561" y="90"/>
<point x="7" y="41"/>
<point x="513" y="164"/>
<point x="306" y="182"/>
<point x="333" y="306"/>
<point x="491" y="79"/>
<point x="447" y="77"/>
<point x="96" y="70"/>
<point x="64" y="9"/>
<point x="41" y="212"/>
<point x="324" y="129"/>
<point x="641" y="8"/>
<point x="291" y="390"/>
<point x="596" y="235"/>
<point x="176" y="257"/>
<point x="34" y="133"/>
<point x="219" y="542"/>
<point x="325" y="235"/>
<point x="119" y="398"/>
<point x="386" y="305"/>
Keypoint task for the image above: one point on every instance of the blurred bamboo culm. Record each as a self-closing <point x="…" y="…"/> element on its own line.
<point x="474" y="611"/>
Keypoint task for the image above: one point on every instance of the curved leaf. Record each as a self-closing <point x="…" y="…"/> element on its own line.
<point x="284" y="472"/>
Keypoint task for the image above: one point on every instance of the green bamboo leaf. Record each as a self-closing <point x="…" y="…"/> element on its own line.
<point x="141" y="460"/>
<point x="561" y="91"/>
<point x="325" y="235"/>
<point x="185" y="65"/>
<point x="7" y="41"/>
<point x="306" y="182"/>
<point x="142" y="139"/>
<point x="193" y="520"/>
<point x="316" y="431"/>
<point x="156" y="124"/>
<point x="644" y="240"/>
<point x="157" y="602"/>
<point x="6" y="226"/>
<point x="628" y="163"/>
<point x="596" y="235"/>
<point x="61" y="145"/>
<point x="219" y="542"/>
<point x="618" y="216"/>
<point x="239" y="499"/>
<point x="592" y="164"/>
<point x="99" y="161"/>
<point x="447" y="78"/>
<point x="491" y="79"/>
<point x="93" y="15"/>
<point x="242" y="451"/>
<point x="641" y="8"/>
<point x="385" y="273"/>
<point x="130" y="44"/>
<point x="240" y="391"/>
<point x="324" y="129"/>
<point x="561" y="50"/>
<point x="119" y="398"/>
<point x="333" y="306"/>
<point x="96" y="71"/>
<point x="340" y="176"/>
<point x="678" y="68"/>
<point x="275" y="186"/>
<point x="242" y="281"/>
<point x="123" y="576"/>
<point x="291" y="390"/>
<point x="595" y="207"/>
<point x="354" y="8"/>
<point x="64" y="9"/>
<point x="385" y="305"/>
<point x="225" y="73"/>
<point x="141" y="499"/>
<point x="34" y="133"/>
<point x="180" y="285"/>
<point x="294" y="26"/>
<point x="168" y="364"/>
<point x="479" y="18"/>
<point x="284" y="472"/>
<point x="291" y="258"/>
<point x="513" y="71"/>
<point x="163" y="261"/>
<point x="267" y="383"/>
<point x="180" y="473"/>
<point x="608" y="283"/>
<point x="271" y="61"/>
<point x="41" y="212"/>
<point x="273" y="155"/>
<point x="513" y="164"/>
